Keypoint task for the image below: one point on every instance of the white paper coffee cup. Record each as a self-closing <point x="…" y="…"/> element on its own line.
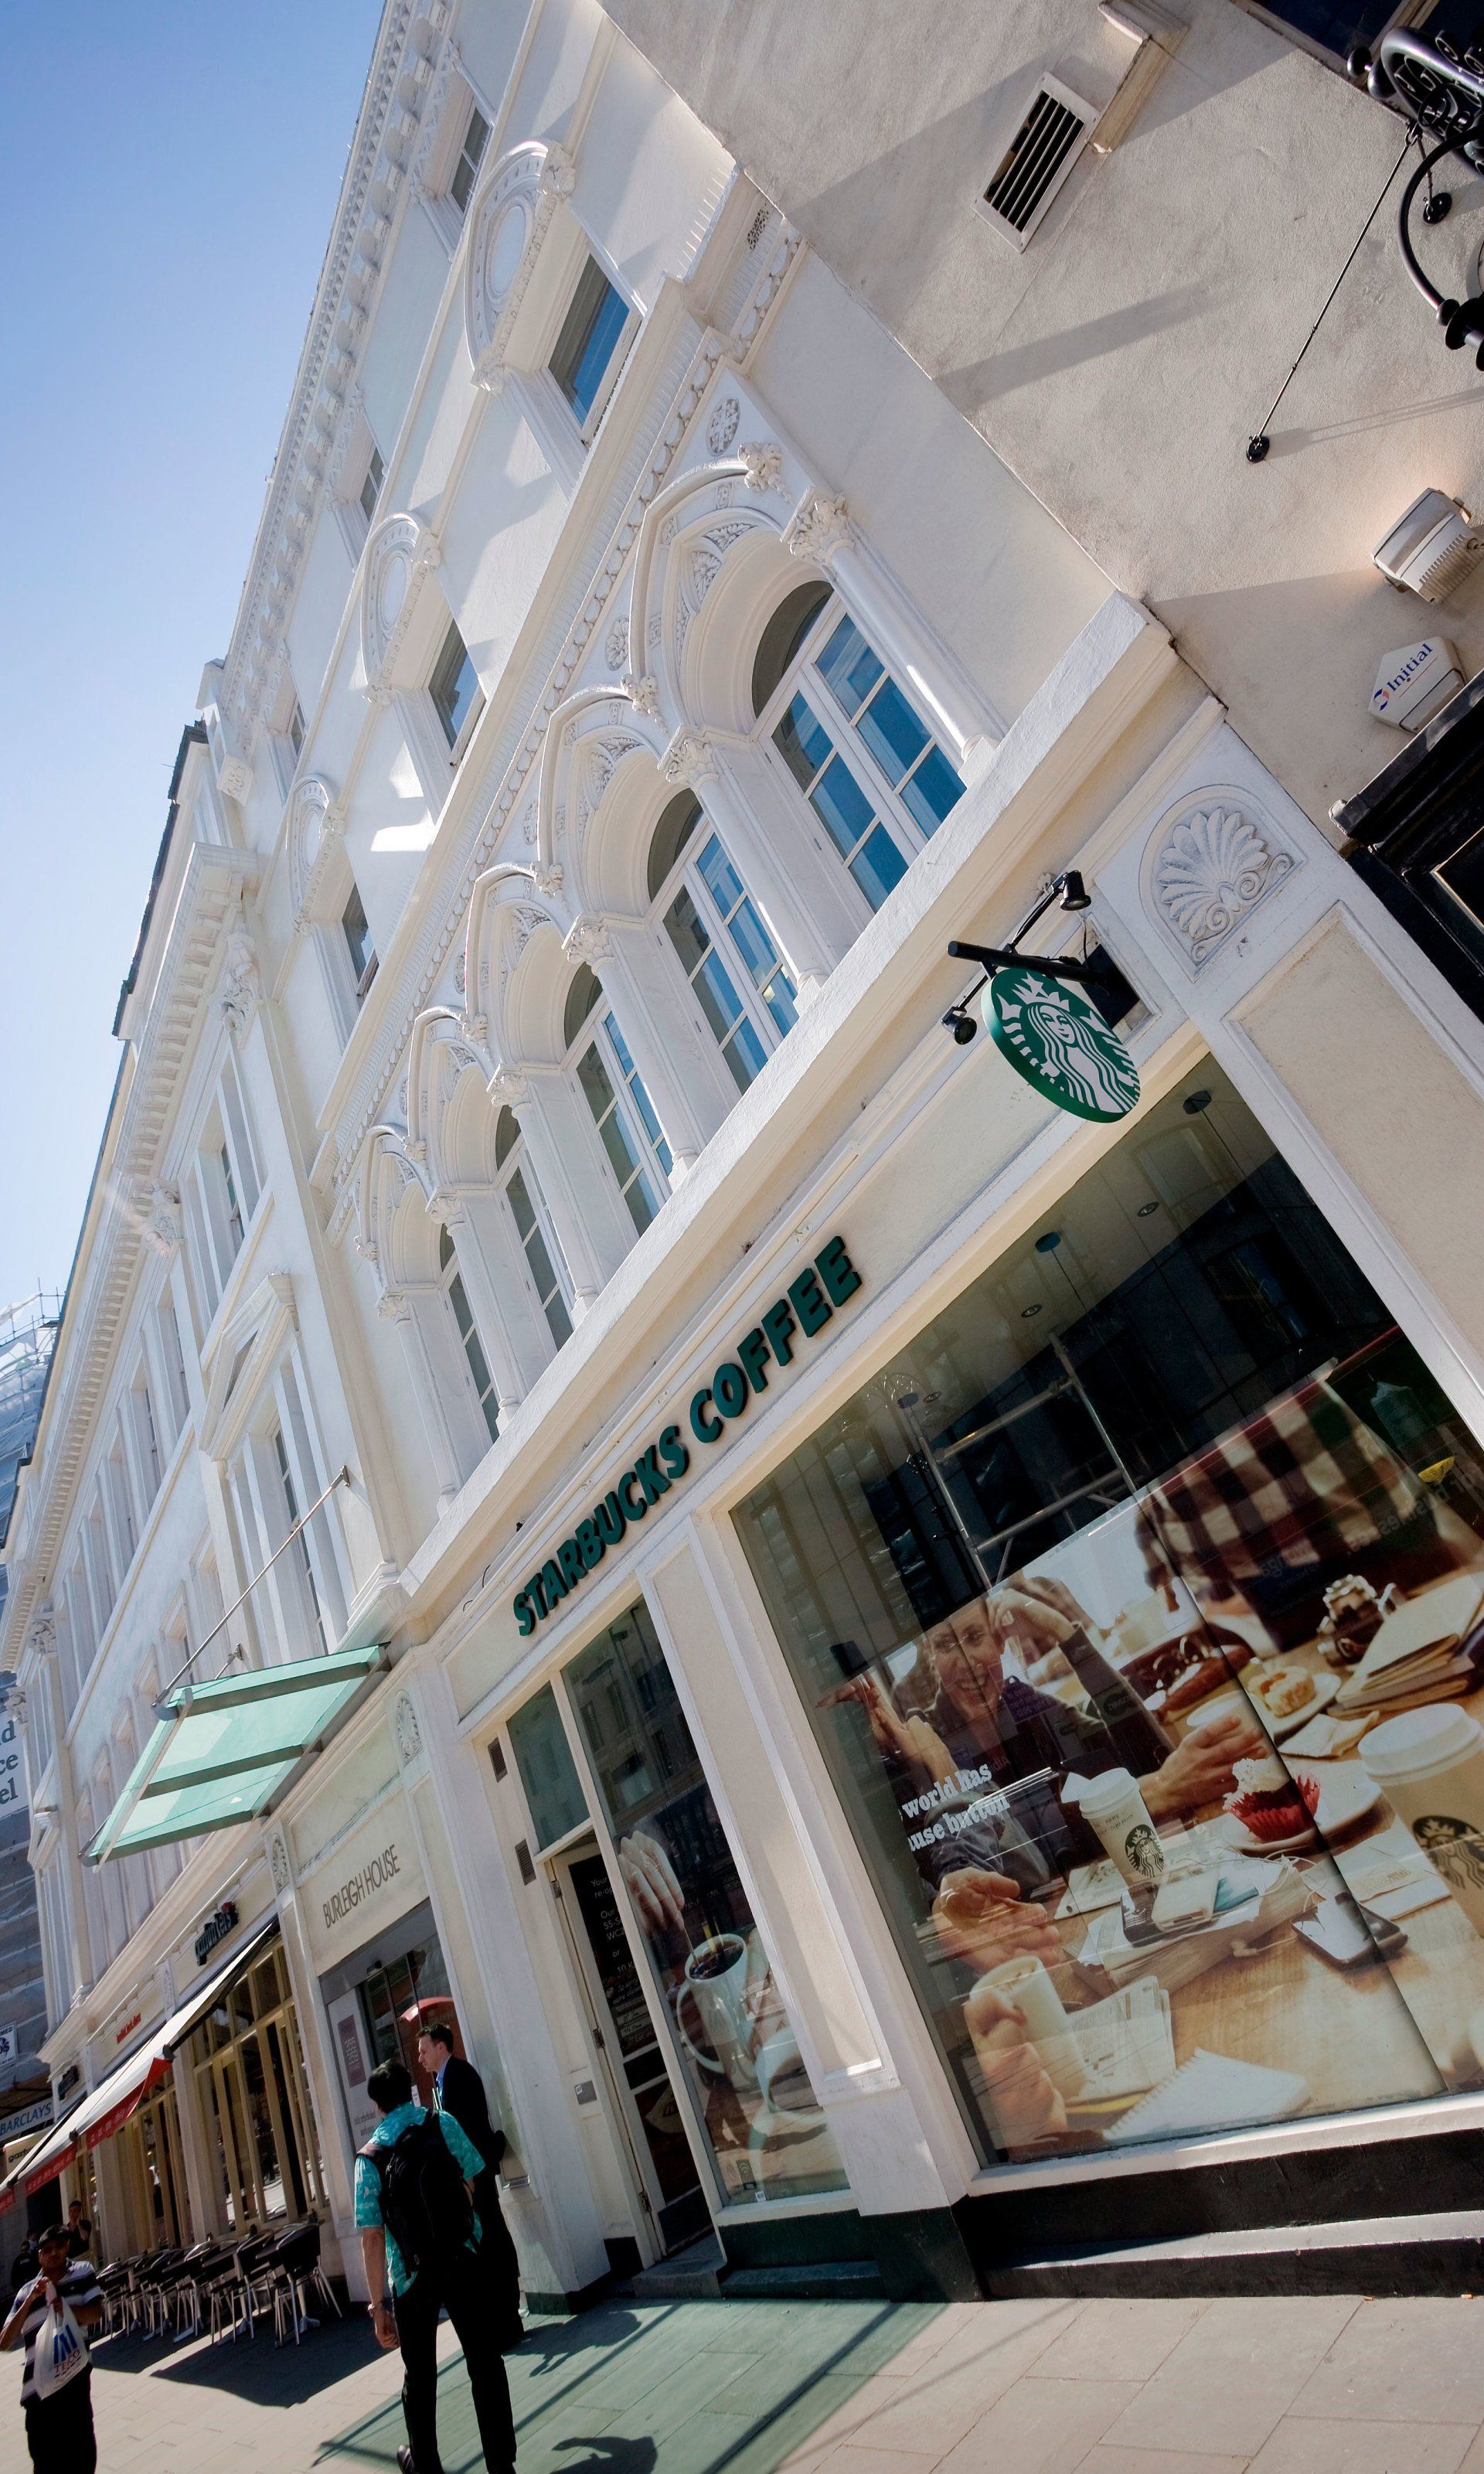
<point x="1114" y="1807"/>
<point x="1024" y="1981"/>
<point x="1431" y="1765"/>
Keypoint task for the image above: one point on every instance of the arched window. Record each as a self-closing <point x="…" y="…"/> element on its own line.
<point x="742" y="984"/>
<point x="464" y="1319"/>
<point x="854" y="741"/>
<point x="622" y="1110"/>
<point x="538" y="1239"/>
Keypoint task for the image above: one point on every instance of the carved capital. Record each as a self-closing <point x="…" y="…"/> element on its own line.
<point x="240" y="987"/>
<point x="690" y="758"/>
<point x="507" y="1089"/>
<point x="818" y="528"/>
<point x="393" y="1308"/>
<point x="644" y="694"/>
<point x="159" y="1213"/>
<point x="588" y="940"/>
<point x="764" y="462"/>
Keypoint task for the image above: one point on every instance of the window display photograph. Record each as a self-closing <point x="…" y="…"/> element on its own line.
<point x="1138" y="1611"/>
<point x="728" y="2022"/>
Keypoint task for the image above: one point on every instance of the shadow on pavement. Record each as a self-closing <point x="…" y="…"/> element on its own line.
<point x="692" y="2388"/>
<point x="254" y="2369"/>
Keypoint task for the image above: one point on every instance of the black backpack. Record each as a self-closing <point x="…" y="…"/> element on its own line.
<point x="424" y="2205"/>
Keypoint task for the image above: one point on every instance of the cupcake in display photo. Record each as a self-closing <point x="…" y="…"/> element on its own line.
<point x="1269" y="1804"/>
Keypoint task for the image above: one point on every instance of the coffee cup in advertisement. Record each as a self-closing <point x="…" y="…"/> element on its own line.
<point x="1429" y="1762"/>
<point x="1112" y="1805"/>
<point x="716" y="1982"/>
<point x="1024" y="1982"/>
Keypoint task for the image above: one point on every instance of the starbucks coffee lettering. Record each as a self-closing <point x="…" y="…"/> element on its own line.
<point x="377" y="1875"/>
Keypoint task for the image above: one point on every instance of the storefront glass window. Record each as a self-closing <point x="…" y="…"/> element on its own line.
<point x="254" y="2101"/>
<point x="1138" y="1610"/>
<point x="762" y="2121"/>
<point x="403" y="1993"/>
<point x="548" y="1773"/>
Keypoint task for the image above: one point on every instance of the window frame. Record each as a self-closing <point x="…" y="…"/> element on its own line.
<point x="686" y="874"/>
<point x="597" y="1031"/>
<point x="362" y="978"/>
<point x="456" y="744"/>
<point x="586" y="425"/>
<point x="512" y="1164"/>
<point x="804" y="677"/>
<point x="458" y="206"/>
<point x="450" y="1278"/>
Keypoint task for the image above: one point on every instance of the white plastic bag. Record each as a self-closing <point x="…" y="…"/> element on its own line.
<point x="61" y="2350"/>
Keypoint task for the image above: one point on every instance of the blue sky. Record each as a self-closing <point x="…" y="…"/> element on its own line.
<point x="170" y="178"/>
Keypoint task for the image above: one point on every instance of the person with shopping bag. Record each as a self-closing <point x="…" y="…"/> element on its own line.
<point x="51" y="2314"/>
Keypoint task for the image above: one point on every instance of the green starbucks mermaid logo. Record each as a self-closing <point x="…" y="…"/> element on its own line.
<point x="1059" y="1043"/>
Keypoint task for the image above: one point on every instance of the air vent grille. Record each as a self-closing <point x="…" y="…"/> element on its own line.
<point x="1036" y="160"/>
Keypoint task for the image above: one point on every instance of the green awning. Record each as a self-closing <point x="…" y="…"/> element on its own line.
<point x="224" y="1750"/>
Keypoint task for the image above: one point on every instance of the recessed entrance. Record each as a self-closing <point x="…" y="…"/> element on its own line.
<point x="641" y="2098"/>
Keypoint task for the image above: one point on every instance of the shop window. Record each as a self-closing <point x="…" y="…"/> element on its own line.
<point x="588" y="341"/>
<point x="622" y="1110"/>
<point x="737" y="2049"/>
<point x="548" y="1773"/>
<point x="742" y="984"/>
<point x="468" y="1337"/>
<point x="851" y="739"/>
<point x="253" y="2092"/>
<point x="1165" y="1482"/>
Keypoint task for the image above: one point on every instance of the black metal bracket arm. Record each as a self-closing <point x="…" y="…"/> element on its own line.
<point x="1441" y="91"/>
<point x="1100" y="973"/>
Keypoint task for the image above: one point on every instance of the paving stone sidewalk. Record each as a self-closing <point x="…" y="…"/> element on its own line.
<point x="1331" y="2385"/>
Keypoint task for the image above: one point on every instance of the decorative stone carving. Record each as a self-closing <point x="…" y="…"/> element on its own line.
<point x="547" y="881"/>
<point x="759" y="226"/>
<point x="392" y="1306"/>
<point x="722" y="428"/>
<point x="644" y="694"/>
<point x="278" y="1862"/>
<point x="688" y="759"/>
<point x="507" y="1089"/>
<point x="764" y="462"/>
<point x="367" y="1250"/>
<point x="817" y="528"/>
<point x="588" y="940"/>
<point x="234" y="780"/>
<point x="510" y="220"/>
<point x="406" y="1730"/>
<point x="1211" y="871"/>
<point x="42" y="1635"/>
<point x="315" y="825"/>
<point x="401" y="553"/>
<point x="159" y="1216"/>
<point x="240" y="989"/>
<point x="615" y="648"/>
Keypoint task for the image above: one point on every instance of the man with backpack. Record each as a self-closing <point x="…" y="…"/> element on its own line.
<point x="419" y="2244"/>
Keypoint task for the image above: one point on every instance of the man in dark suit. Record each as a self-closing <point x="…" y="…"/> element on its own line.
<point x="457" y="2090"/>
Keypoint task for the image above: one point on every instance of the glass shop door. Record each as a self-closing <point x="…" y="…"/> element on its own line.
<point x="640" y="2092"/>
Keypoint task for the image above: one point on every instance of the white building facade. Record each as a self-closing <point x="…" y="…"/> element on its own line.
<point x="549" y="1258"/>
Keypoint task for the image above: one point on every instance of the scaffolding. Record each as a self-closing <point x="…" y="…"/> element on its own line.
<point x="28" y="1334"/>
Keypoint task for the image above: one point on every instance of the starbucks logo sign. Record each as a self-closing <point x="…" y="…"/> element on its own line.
<point x="1059" y="1043"/>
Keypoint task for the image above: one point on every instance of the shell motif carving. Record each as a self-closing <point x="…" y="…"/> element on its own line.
<point x="1213" y="870"/>
<point x="278" y="1863"/>
<point x="408" y="1732"/>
